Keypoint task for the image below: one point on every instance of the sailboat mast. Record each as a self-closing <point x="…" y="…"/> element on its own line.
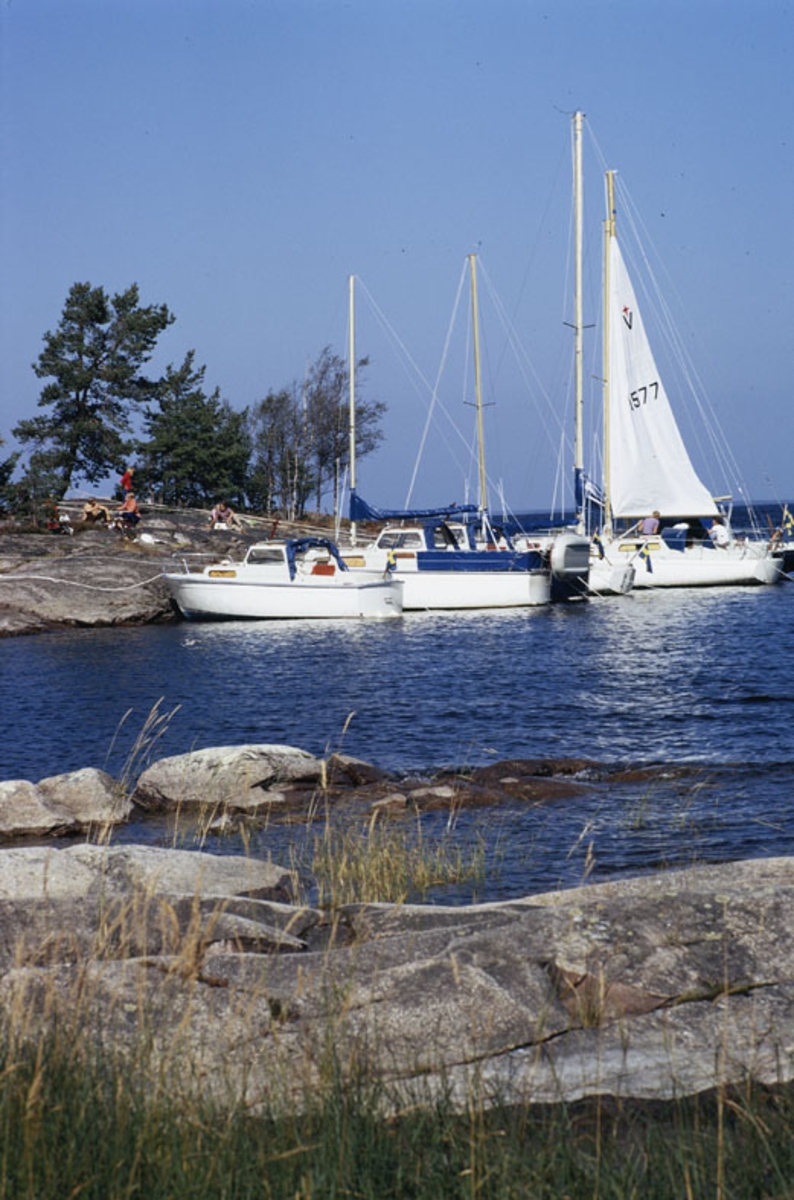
<point x="351" y="374"/>
<point x="609" y="233"/>
<point x="478" y="384"/>
<point x="578" y="322"/>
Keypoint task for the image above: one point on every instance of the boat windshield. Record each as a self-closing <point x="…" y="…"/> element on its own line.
<point x="259" y="555"/>
<point x="394" y="539"/>
<point x="444" y="538"/>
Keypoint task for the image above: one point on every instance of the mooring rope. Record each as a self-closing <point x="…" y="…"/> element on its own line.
<point x="91" y="587"/>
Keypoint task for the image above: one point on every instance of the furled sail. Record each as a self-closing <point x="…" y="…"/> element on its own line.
<point x="649" y="467"/>
<point x="360" y="510"/>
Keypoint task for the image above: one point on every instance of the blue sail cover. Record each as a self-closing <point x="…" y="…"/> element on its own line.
<point x="361" y="511"/>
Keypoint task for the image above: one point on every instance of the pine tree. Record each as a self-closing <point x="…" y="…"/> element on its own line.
<point x="93" y="361"/>
<point x="198" y="447"/>
<point x="7" y="494"/>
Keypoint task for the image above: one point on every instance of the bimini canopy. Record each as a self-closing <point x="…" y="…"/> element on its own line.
<point x="296" y="546"/>
<point x="361" y="511"/>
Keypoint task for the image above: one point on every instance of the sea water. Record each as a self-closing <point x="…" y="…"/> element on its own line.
<point x="696" y="682"/>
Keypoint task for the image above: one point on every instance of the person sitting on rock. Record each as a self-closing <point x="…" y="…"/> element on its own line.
<point x="224" y="517"/>
<point x="56" y="521"/>
<point x="128" y="515"/>
<point x="52" y="516"/>
<point x="93" y="512"/>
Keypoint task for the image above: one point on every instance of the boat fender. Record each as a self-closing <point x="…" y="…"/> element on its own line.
<point x="621" y="580"/>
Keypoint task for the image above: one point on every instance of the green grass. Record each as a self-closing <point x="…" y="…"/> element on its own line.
<point x="385" y="861"/>
<point x="76" y="1122"/>
<point x="91" y="1129"/>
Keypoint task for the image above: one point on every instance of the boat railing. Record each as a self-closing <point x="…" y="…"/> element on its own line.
<point x="192" y="563"/>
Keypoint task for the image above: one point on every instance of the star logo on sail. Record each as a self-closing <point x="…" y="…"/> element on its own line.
<point x="628" y="317"/>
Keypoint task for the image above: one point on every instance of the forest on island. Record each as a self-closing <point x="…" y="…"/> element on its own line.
<point x="287" y="452"/>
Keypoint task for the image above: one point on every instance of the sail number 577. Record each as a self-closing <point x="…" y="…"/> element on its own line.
<point x="642" y="395"/>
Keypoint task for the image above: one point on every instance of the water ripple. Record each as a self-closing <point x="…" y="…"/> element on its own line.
<point x="675" y="678"/>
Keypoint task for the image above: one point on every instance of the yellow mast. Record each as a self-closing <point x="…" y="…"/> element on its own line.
<point x="351" y="374"/>
<point x="478" y="384"/>
<point x="609" y="233"/>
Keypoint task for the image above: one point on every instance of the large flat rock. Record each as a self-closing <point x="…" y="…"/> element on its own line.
<point x="652" y="987"/>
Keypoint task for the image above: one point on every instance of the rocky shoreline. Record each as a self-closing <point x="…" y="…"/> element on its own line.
<point x="98" y="577"/>
<point x="655" y="987"/>
<point x="220" y="790"/>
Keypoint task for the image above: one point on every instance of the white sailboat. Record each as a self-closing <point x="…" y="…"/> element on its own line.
<point x="451" y="557"/>
<point x="660" y="525"/>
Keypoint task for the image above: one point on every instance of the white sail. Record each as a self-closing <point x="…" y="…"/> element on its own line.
<point x="650" y="469"/>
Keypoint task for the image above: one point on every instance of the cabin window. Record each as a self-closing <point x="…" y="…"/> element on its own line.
<point x="258" y="558"/>
<point x="397" y="539"/>
<point x="444" y="538"/>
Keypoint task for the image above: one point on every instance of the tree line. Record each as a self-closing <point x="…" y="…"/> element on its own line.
<point x="285" y="453"/>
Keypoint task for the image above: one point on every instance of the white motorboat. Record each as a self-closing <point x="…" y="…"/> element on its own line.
<point x="648" y="474"/>
<point x="293" y="578"/>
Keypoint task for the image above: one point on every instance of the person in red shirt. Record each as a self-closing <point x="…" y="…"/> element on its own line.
<point x="126" y="480"/>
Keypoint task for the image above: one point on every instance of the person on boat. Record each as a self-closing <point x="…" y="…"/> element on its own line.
<point x="718" y="533"/>
<point x="650" y="525"/>
<point x="224" y="516"/>
<point x="128" y="515"/>
<point x="93" y="512"/>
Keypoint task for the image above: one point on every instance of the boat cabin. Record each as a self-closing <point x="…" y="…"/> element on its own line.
<point x="430" y="536"/>
<point x="440" y="535"/>
<point x="287" y="559"/>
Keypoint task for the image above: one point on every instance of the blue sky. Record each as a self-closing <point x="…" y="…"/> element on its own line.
<point x="240" y="159"/>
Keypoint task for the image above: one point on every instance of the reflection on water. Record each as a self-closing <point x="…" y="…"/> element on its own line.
<point x="698" y="677"/>
<point x="645" y="677"/>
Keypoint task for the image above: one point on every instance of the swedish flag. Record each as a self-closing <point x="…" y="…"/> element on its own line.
<point x="646" y="554"/>
<point x="599" y="545"/>
<point x="788" y="521"/>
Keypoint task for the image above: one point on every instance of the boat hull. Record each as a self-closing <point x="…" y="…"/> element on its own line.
<point x="702" y="565"/>
<point x="200" y="597"/>
<point x="428" y="590"/>
<point x="784" y="556"/>
<point x="459" y="579"/>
